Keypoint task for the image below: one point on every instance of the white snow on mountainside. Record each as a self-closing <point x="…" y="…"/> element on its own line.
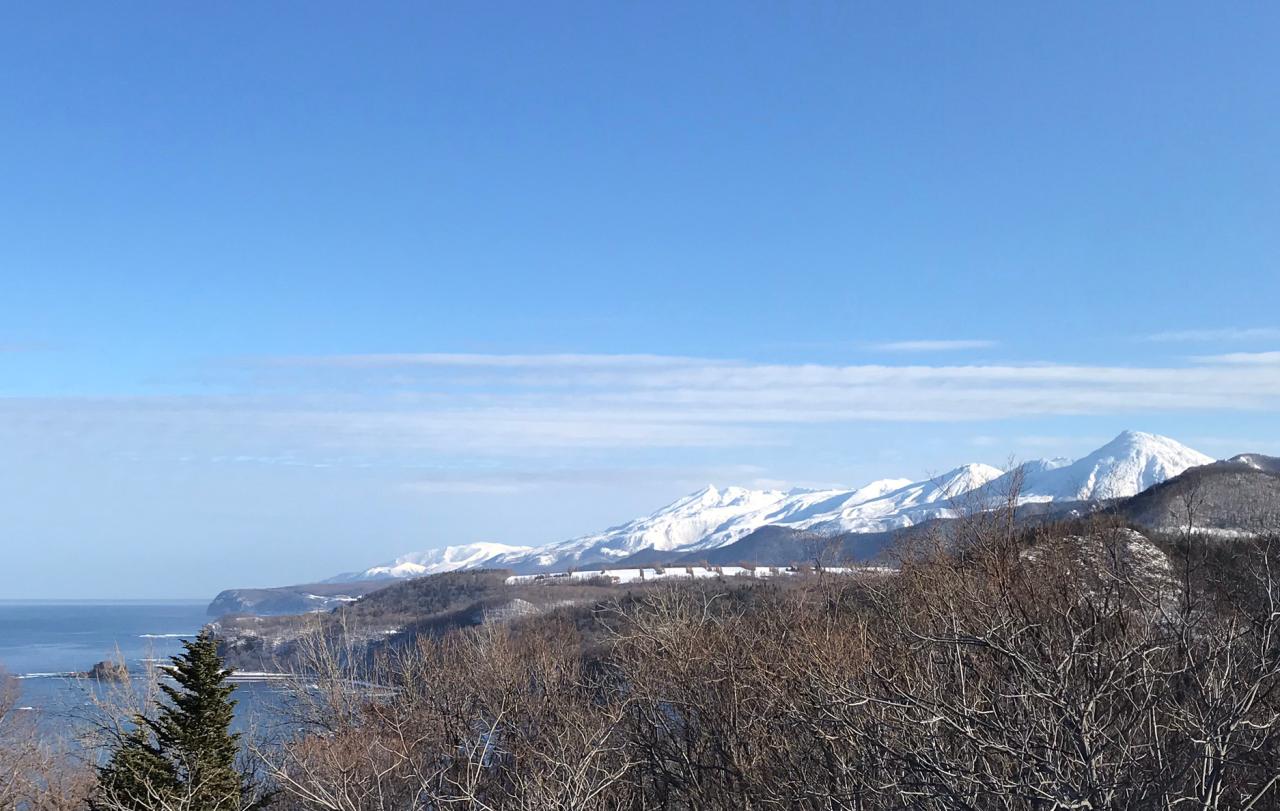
<point x="713" y="517"/>
<point x="434" y="561"/>
<point x="1125" y="466"/>
<point x="910" y="504"/>
<point x="703" y="520"/>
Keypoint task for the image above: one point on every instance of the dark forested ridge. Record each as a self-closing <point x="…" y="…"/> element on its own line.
<point x="398" y="613"/>
<point x="1240" y="495"/>
<point x="1123" y="655"/>
<point x="1003" y="666"/>
<point x="289" y="599"/>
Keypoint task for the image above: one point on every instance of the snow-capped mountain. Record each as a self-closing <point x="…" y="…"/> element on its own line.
<point x="434" y="561"/>
<point x="703" y="520"/>
<point x="708" y="513"/>
<point x="939" y="497"/>
<point x="713" y="518"/>
<point x="1125" y="466"/>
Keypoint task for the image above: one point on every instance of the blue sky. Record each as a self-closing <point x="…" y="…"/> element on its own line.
<point x="290" y="290"/>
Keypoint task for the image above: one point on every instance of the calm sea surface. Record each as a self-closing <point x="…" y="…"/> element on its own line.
<point x="39" y="639"/>
<point x="44" y="642"/>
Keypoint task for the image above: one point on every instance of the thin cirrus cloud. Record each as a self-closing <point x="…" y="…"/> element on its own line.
<point x="527" y="480"/>
<point x="532" y="405"/>
<point x="1210" y="335"/>
<point x="925" y="345"/>
<point x="480" y="360"/>
<point x="1242" y="358"/>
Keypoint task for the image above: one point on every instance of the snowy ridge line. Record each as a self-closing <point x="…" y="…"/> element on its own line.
<point x="713" y="518"/>
<point x="434" y="561"/>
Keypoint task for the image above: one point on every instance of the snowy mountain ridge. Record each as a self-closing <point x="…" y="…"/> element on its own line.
<point x="714" y="517"/>
<point x="1125" y="466"/>
<point x="433" y="561"/>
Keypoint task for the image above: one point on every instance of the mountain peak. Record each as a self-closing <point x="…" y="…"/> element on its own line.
<point x="968" y="477"/>
<point x="701" y="497"/>
<point x="1125" y="466"/>
<point x="715" y="517"/>
<point x="1129" y="437"/>
<point x="1149" y="443"/>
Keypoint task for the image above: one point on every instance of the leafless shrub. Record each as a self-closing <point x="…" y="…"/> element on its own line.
<point x="37" y="771"/>
<point x="999" y="667"/>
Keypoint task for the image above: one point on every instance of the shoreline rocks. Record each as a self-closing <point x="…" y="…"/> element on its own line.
<point x="108" y="670"/>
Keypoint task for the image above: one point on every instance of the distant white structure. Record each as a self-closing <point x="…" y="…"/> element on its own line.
<point x="688" y="572"/>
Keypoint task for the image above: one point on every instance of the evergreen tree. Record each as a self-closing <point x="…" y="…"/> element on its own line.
<point x="193" y="728"/>
<point x="187" y="754"/>
<point x="136" y="776"/>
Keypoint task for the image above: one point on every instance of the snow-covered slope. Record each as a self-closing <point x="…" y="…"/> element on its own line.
<point x="712" y="517"/>
<point x="914" y="502"/>
<point x="708" y="513"/>
<point x="706" y="519"/>
<point x="1125" y="466"/>
<point x="434" y="561"/>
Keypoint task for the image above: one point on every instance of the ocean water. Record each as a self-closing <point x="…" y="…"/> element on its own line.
<point x="43" y="643"/>
<point x="42" y="639"/>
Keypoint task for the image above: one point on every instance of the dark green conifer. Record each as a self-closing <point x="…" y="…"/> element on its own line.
<point x="136" y="776"/>
<point x="193" y="729"/>
<point x="188" y="751"/>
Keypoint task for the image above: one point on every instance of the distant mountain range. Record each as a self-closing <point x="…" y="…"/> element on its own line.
<point x="705" y="524"/>
<point x="434" y="561"/>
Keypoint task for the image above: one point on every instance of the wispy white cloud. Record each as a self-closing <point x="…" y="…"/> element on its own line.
<point x="534" y="405"/>
<point x="925" y="345"/>
<point x="467" y="487"/>
<point x="480" y="361"/>
<point x="1242" y="358"/>
<point x="1210" y="335"/>
<point x="471" y="481"/>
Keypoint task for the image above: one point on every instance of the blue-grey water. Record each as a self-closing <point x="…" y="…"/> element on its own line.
<point x="41" y="638"/>
<point x="44" y="642"/>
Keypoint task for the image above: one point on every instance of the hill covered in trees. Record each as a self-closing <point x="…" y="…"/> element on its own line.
<point x="1062" y="665"/>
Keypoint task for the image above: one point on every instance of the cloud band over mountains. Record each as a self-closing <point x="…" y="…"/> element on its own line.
<point x="378" y="407"/>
